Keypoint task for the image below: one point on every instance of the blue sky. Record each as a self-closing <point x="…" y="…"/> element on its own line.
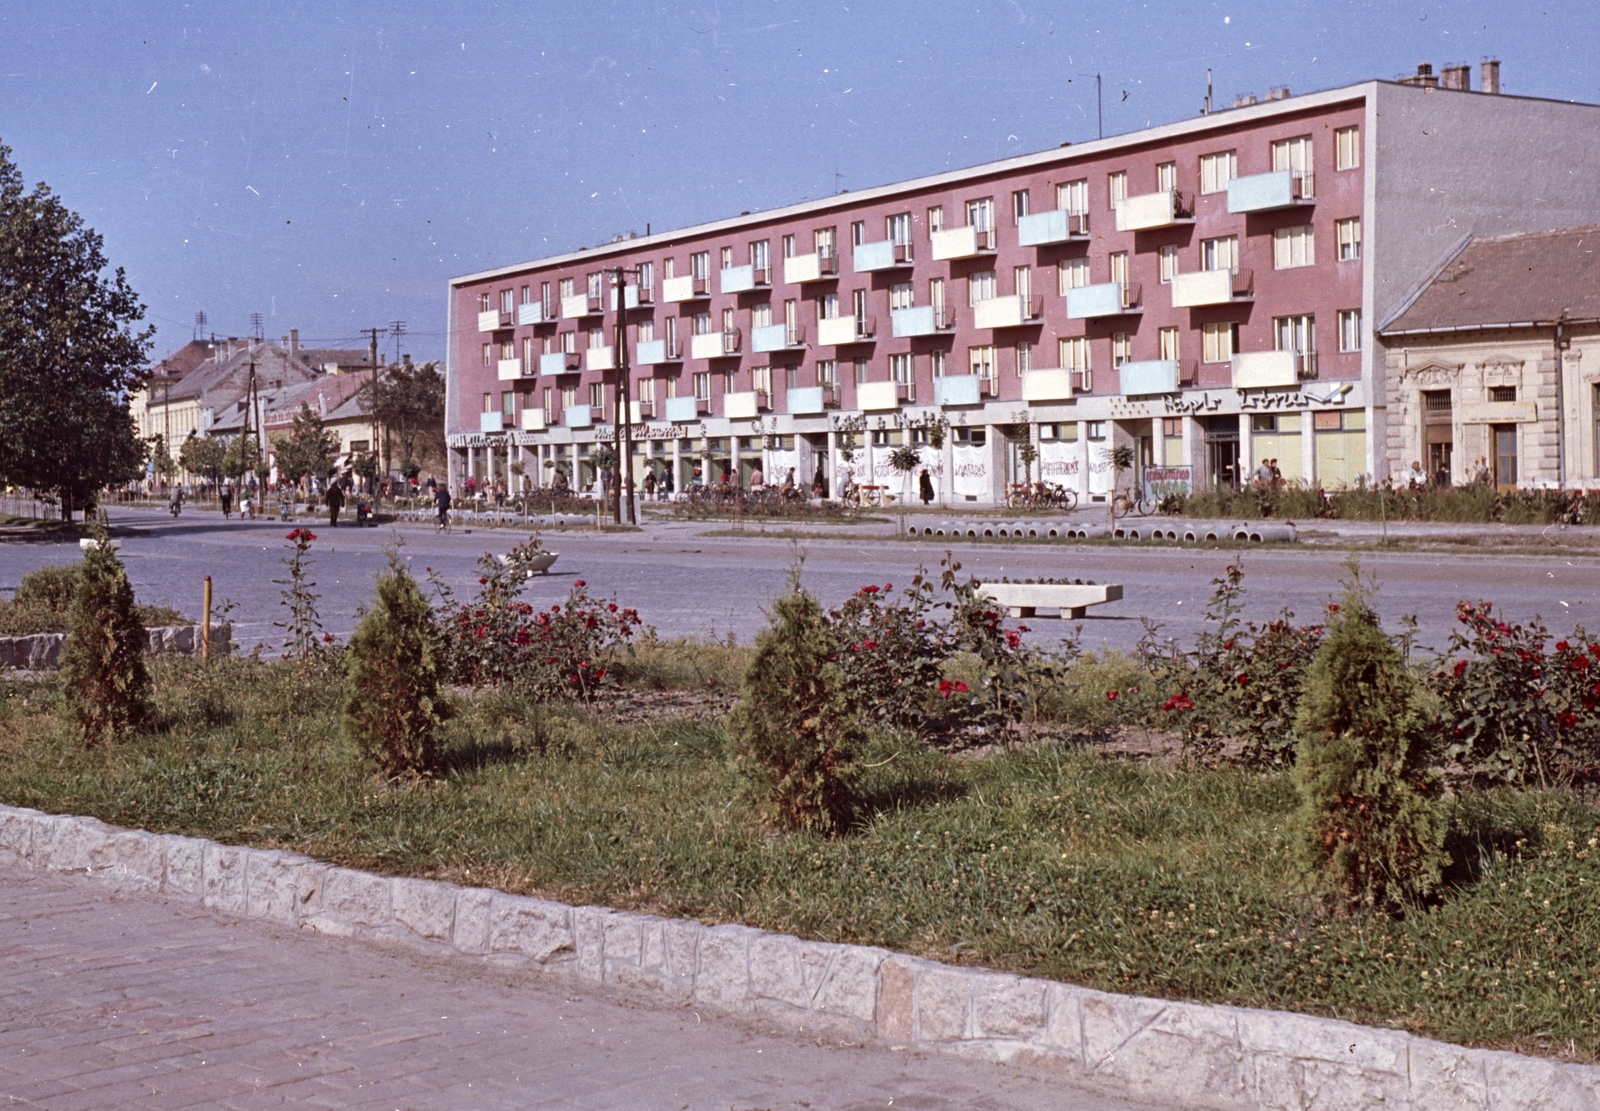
<point x="331" y="164"/>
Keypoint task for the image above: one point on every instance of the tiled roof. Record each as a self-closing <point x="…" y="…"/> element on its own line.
<point x="1509" y="280"/>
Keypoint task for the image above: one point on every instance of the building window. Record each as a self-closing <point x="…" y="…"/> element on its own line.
<point x="1073" y="196"/>
<point x="488" y="354"/>
<point x="827" y="372"/>
<point x="702" y="386"/>
<point x="1095" y="430"/>
<point x="980" y="361"/>
<point x="597" y="338"/>
<point x="647" y="331"/>
<point x="1121" y="348"/>
<point x="569" y="342"/>
<point x="728" y="324"/>
<point x="483" y="302"/>
<point x="1292" y="247"/>
<point x="858" y="304"/>
<point x="828" y="306"/>
<point x="702" y="324"/>
<point x="672" y="337"/>
<point x="544" y="296"/>
<point x="1502" y="393"/>
<point x="898" y="230"/>
<point x="902" y="295"/>
<point x="699" y="265"/>
<point x="527" y="353"/>
<point x="1348" y="233"/>
<point x="1221" y="253"/>
<point x="1117" y="187"/>
<point x="900" y="370"/>
<point x="569" y="396"/>
<point x="1019" y="205"/>
<point x="1169" y="262"/>
<point x="549" y="411"/>
<point x="1219" y="341"/>
<point x="863" y="368"/>
<point x="1349" y="329"/>
<point x="761" y="315"/>
<point x="1074" y="353"/>
<point x="1169" y="343"/>
<point x="727" y="258"/>
<point x="788" y="246"/>
<point x="1024" y="357"/>
<point x="647" y="392"/>
<point x="505" y="301"/>
<point x="593" y="283"/>
<point x="935" y="218"/>
<point x="1022" y="281"/>
<point x="937" y="362"/>
<point x="980" y="214"/>
<point x="1347" y="148"/>
<point x="597" y="397"/>
<point x="1071" y="273"/>
<point x="1119" y="267"/>
<point x="488" y="402"/>
<point x="791" y="322"/>
<point x="761" y="379"/>
<point x="936" y="296"/>
<point x="508" y="349"/>
<point x="858" y="233"/>
<point x="1298" y="334"/>
<point x="1216" y="170"/>
<point x="1294" y="155"/>
<point x="758" y="255"/>
<point x="647" y="275"/>
<point x="824" y="242"/>
<point x="980" y="287"/>
<point x="791" y="378"/>
<point x="1166" y="177"/>
<point x="565" y="287"/>
<point x="1172" y="427"/>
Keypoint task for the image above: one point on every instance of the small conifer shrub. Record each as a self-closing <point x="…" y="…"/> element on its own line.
<point x="102" y="663"/>
<point x="794" y="731"/>
<point x="392" y="708"/>
<point x="1366" y="766"/>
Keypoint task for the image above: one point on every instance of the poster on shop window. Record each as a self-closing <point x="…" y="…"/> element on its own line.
<point x="971" y="464"/>
<point x="1060" y="464"/>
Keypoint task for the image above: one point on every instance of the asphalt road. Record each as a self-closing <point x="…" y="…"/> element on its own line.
<point x="685" y="582"/>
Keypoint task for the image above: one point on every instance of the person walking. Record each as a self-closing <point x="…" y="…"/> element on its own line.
<point x="441" y="501"/>
<point x="925" y="487"/>
<point x="335" y="500"/>
<point x="225" y="496"/>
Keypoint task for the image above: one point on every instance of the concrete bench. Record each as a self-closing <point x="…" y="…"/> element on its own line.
<point x="1068" y="599"/>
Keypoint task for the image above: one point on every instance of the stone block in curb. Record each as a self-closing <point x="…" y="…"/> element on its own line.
<point x="1161" y="1050"/>
<point x="849" y="989"/>
<point x="667" y="951"/>
<point x="16" y="835"/>
<point x="897" y="1001"/>
<point x="185" y="865"/>
<point x="423" y="909"/>
<point x="532" y="929"/>
<point x="589" y="941"/>
<point x="722" y="974"/>
<point x="222" y="869"/>
<point x="283" y="887"/>
<point x="470" y="933"/>
<point x="1301" y="1060"/>
<point x="353" y="904"/>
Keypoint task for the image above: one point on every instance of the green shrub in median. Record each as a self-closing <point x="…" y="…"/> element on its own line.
<point x="102" y="664"/>
<point x="1366" y="766"/>
<point x="392" y="707"/>
<point x="795" y="733"/>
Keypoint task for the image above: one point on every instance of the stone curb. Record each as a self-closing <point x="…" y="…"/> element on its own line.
<point x="1215" y="1058"/>
<point x="42" y="651"/>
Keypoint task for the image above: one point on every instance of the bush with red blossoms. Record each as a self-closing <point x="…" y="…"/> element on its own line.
<point x="565" y="651"/>
<point x="1514" y="707"/>
<point x="305" y="640"/>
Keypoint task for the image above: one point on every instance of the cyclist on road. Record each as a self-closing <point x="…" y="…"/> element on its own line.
<point x="441" y="498"/>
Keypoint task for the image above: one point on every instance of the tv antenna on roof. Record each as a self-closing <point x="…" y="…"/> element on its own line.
<point x="397" y="328"/>
<point x="199" y="324"/>
<point x="257" y="326"/>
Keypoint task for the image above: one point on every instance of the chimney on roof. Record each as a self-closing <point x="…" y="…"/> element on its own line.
<point x="1280" y="93"/>
<point x="1490" y="69"/>
<point x="1423" y="79"/>
<point x="294" y="342"/>
<point x="1244" y="100"/>
<point x="1457" y="77"/>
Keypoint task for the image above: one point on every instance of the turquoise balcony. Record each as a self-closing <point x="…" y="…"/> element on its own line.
<point x="958" y="389"/>
<point x="578" y="416"/>
<point x="886" y="255"/>
<point x="922" y="320"/>
<point x="742" y="279"/>
<point x="810" y="401"/>
<point x="558" y="362"/>
<point x="775" y="337"/>
<point x="1154" y="376"/>
<point x="1041" y="228"/>
<point x="685" y="410"/>
<point x="1106" y="299"/>
<point x="653" y="352"/>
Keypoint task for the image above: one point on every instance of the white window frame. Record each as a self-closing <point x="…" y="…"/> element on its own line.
<point x="1121" y="349"/>
<point x="1073" y="196"/>
<point x="981" y="361"/>
<point x="1166" y="177"/>
<point x="1218" y="341"/>
<point x="1167" y="259"/>
<point x="1217" y="169"/>
<point x="980" y="214"/>
<point x="981" y="286"/>
<point x="1019" y="205"/>
<point x="1350" y="336"/>
<point x="1117" y="266"/>
<point x="1071" y="273"/>
<point x="1347" y="234"/>
<point x="1347" y="148"/>
<point x="1116" y="188"/>
<point x="1220" y="249"/>
<point x="1294" y="247"/>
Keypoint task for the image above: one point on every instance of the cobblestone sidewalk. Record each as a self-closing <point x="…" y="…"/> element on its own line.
<point x="145" y="1002"/>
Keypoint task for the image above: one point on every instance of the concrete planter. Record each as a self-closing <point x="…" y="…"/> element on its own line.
<point x="1189" y="1055"/>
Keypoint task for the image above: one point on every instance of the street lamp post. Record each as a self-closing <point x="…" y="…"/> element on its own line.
<point x="622" y="427"/>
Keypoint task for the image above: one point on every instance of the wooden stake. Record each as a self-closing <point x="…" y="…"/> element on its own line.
<point x="205" y="626"/>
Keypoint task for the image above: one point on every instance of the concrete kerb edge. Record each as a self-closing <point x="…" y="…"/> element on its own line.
<point x="1212" y="1057"/>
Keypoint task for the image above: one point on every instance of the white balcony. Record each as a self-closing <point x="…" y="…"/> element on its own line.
<point x="958" y="389"/>
<point x="887" y="255"/>
<point x="776" y="337"/>
<point x="839" y="331"/>
<point x="1039" y="229"/>
<point x="714" y="345"/>
<point x="599" y="358"/>
<point x="533" y="420"/>
<point x="491" y="422"/>
<point x="488" y="321"/>
<point x="632" y="297"/>
<point x="966" y="242"/>
<point x="744" y="406"/>
<point x="1047" y="385"/>
<point x="1211" y="287"/>
<point x="805" y="401"/>
<point x="507" y="369"/>
<point x="1154" y="210"/>
<point x="1148" y="377"/>
<point x="558" y="362"/>
<point x="880" y="395"/>
<point x="921" y="320"/>
<point x="814" y="267"/>
<point x="686" y="288"/>
<point x="1270" y="192"/>
<point x="578" y="416"/>
<point x="1257" y="370"/>
<point x="578" y="306"/>
<point x="1106" y="299"/>
<point x="1007" y="312"/>
<point x="742" y="279"/>
<point x="653" y="352"/>
<point x="686" y="410"/>
<point x="532" y="314"/>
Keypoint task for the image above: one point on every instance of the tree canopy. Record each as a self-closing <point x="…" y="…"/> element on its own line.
<point x="203" y="456"/>
<point x="408" y="399"/>
<point x="69" y="354"/>
<point x="308" y="450"/>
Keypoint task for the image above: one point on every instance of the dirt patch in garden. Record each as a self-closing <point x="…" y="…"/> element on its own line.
<point x="635" y="707"/>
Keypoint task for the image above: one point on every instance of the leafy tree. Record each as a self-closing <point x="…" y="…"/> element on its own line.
<point x="408" y="400"/>
<point x="243" y="456"/>
<point x="794" y="731"/>
<point x="69" y="356"/>
<point x="203" y="456"/>
<point x="392" y="709"/>
<point x="102" y="664"/>
<point x="308" y="449"/>
<point x="1366" y="766"/>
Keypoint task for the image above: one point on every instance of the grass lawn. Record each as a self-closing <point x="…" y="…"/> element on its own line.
<point x="1047" y="860"/>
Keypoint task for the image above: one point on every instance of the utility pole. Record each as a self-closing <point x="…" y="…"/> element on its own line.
<point x="372" y="396"/>
<point x="1099" y="112"/>
<point x="622" y="428"/>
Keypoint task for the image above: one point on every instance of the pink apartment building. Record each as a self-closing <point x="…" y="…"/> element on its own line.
<point x="1203" y="292"/>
